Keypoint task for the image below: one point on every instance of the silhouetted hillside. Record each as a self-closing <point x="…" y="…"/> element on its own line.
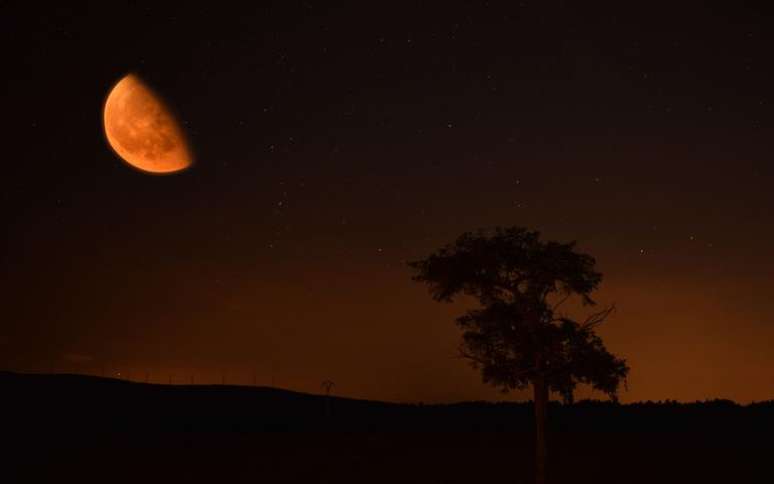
<point x="86" y="429"/>
<point x="46" y="402"/>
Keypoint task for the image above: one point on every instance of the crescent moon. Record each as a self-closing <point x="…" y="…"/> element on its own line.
<point x="141" y="129"/>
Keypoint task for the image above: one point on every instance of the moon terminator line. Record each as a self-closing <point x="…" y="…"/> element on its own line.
<point x="143" y="131"/>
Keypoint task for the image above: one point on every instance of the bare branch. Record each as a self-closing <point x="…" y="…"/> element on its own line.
<point x="556" y="306"/>
<point x="597" y="318"/>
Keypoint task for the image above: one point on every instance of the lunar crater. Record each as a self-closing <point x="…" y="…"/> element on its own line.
<point x="141" y="129"/>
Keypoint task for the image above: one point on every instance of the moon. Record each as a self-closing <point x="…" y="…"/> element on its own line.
<point x="142" y="130"/>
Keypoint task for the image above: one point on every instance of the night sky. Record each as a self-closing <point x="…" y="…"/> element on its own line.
<point x="335" y="144"/>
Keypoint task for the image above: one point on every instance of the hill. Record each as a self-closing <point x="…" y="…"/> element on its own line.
<point x="88" y="429"/>
<point x="104" y="404"/>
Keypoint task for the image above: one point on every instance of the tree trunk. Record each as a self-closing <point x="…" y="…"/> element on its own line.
<point x="541" y="401"/>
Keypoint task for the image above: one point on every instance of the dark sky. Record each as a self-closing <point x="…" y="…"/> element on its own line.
<point x="334" y="144"/>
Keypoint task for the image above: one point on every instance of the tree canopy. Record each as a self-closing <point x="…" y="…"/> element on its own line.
<point x="517" y="335"/>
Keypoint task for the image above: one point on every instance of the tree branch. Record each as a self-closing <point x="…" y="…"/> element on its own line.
<point x="556" y="306"/>
<point x="480" y="361"/>
<point x="597" y="318"/>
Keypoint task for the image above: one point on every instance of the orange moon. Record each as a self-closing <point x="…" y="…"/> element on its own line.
<point x="142" y="130"/>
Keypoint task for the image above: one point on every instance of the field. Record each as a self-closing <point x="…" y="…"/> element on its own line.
<point x="76" y="429"/>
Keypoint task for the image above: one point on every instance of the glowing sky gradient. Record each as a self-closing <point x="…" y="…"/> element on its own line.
<point x="333" y="145"/>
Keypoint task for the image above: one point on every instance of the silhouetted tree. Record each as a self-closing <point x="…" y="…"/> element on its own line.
<point x="517" y="337"/>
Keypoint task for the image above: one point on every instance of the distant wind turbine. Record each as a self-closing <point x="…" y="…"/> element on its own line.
<point x="327" y="385"/>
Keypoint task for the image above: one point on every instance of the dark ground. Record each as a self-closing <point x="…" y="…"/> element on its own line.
<point x="82" y="429"/>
